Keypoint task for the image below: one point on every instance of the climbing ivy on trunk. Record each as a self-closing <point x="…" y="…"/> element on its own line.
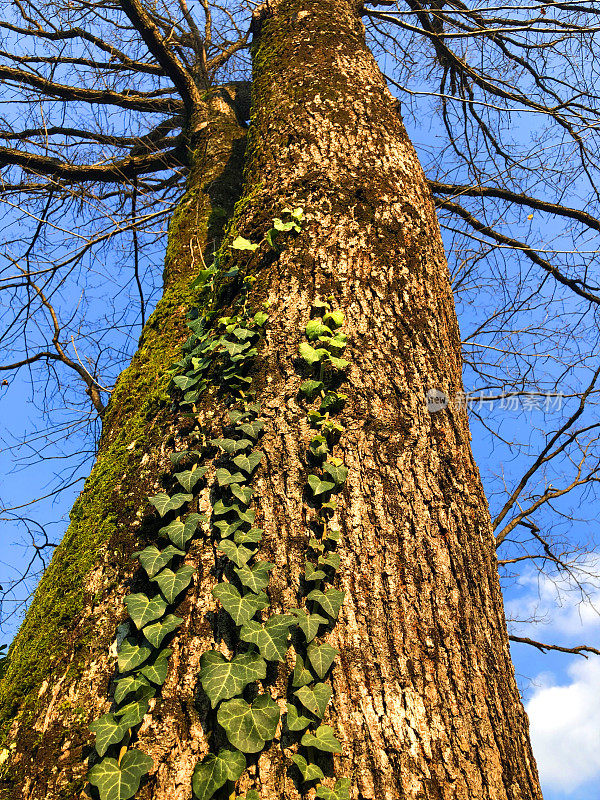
<point x="220" y="352"/>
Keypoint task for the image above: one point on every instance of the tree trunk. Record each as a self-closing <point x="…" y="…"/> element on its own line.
<point x="424" y="699"/>
<point x="60" y="667"/>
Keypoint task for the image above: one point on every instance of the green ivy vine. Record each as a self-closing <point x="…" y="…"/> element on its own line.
<point x="220" y="352"/>
<point x="321" y="357"/>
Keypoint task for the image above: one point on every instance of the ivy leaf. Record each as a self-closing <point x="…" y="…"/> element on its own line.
<point x="213" y="772"/>
<point x="222" y="679"/>
<point x="157" y="672"/>
<point x="341" y="791"/>
<point x="163" y="503"/>
<point x="173" y="583"/>
<point x="235" y="763"/>
<point x="177" y="457"/>
<point x="330" y="602"/>
<point x="243" y="493"/>
<point x="279" y="225"/>
<point x="220" y="509"/>
<point x="181" y="532"/>
<point x="295" y="721"/>
<point x="333" y="401"/>
<point x="337" y="342"/>
<point x="131" y="656"/>
<point x="331" y="427"/>
<point x="315" y="699"/>
<point x="296" y="213"/>
<point x="301" y="676"/>
<point x="232" y="445"/>
<point x="335" y="319"/>
<point x="204" y="275"/>
<point x="270" y="637"/>
<point x="133" y="713"/>
<point x="240" y="608"/>
<point x="252" y="429"/>
<point x="243" y="358"/>
<point x="321" y="657"/>
<point x="318" y="447"/>
<point x="323" y="739"/>
<point x="320" y="305"/>
<point x="184" y="382"/>
<point x="227" y="528"/>
<point x="247" y="515"/>
<point x="310" y="772"/>
<point x="316" y="545"/>
<point x="310" y="355"/>
<point x="128" y="685"/>
<point x="319" y="486"/>
<point x="330" y="560"/>
<point x="108" y="731"/>
<point x="310" y="388"/>
<point x="201" y="365"/>
<point x="225" y="478"/>
<point x="120" y="781"/>
<point x="239" y="554"/>
<point x="156" y="632"/>
<point x="208" y="777"/>
<point x="239" y="243"/>
<point x="260" y="318"/>
<point x="190" y="477"/>
<point x="311" y="573"/>
<point x="248" y="463"/>
<point x="339" y="363"/>
<point x="153" y="560"/>
<point x="256" y="578"/>
<point x="338" y="473"/>
<point x="189" y="398"/>
<point x="235" y="348"/>
<point x="334" y="535"/>
<point x="243" y="333"/>
<point x="142" y="610"/>
<point x="253" y="536"/>
<point x="270" y="237"/>
<point x="316" y="419"/>
<point x="330" y="505"/>
<point x="249" y="727"/>
<point x="308" y="623"/>
<point x="316" y="328"/>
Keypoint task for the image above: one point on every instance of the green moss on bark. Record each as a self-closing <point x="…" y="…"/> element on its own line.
<point x="56" y="635"/>
<point x="134" y="424"/>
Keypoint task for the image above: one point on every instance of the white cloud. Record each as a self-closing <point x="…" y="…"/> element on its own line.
<point x="564" y="711"/>
<point x="565" y="727"/>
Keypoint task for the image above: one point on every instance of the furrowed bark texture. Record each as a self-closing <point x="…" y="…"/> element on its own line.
<point x="60" y="666"/>
<point x="425" y="701"/>
<point x="424" y="698"/>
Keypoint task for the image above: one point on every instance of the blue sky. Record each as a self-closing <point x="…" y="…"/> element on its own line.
<point x="561" y="692"/>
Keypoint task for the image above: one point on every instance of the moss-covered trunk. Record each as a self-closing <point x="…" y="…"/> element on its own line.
<point x="423" y="697"/>
<point x="59" y="663"/>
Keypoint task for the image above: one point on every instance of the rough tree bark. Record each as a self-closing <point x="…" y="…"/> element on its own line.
<point x="424" y="697"/>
